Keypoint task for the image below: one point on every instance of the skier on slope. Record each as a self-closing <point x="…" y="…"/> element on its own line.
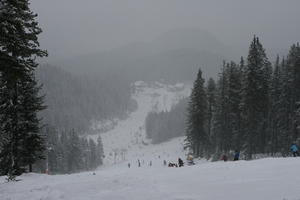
<point x="180" y="162"/>
<point x="224" y="158"/>
<point x="190" y="160"/>
<point x="294" y="150"/>
<point x="165" y="162"/>
<point x="236" y="155"/>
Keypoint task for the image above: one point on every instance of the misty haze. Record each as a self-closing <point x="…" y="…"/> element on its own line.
<point x="149" y="99"/>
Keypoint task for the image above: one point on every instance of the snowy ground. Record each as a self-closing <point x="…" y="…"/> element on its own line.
<point x="274" y="179"/>
<point x="127" y="141"/>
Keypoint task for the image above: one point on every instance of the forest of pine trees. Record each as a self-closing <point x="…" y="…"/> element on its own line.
<point x="73" y="100"/>
<point x="254" y="107"/>
<point x="24" y="140"/>
<point x="165" y="125"/>
<point x="68" y="152"/>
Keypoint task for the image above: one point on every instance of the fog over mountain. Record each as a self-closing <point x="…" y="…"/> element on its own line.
<point x="174" y="55"/>
<point x="140" y="33"/>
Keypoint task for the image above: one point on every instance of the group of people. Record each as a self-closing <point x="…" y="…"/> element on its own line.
<point x="294" y="149"/>
<point x="139" y="163"/>
<point x="236" y="156"/>
<point x="179" y="164"/>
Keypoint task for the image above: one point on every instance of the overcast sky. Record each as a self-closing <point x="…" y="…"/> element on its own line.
<point x="74" y="27"/>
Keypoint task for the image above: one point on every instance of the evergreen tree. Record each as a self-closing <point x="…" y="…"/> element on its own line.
<point x="293" y="81"/>
<point x="74" y="160"/>
<point x="93" y="154"/>
<point x="197" y="138"/>
<point x="211" y="100"/>
<point x="289" y="99"/>
<point x="255" y="103"/>
<point x="18" y="49"/>
<point x="284" y="109"/>
<point x="221" y="128"/>
<point x="275" y="92"/>
<point x="99" y="151"/>
<point x="32" y="141"/>
<point x="234" y="101"/>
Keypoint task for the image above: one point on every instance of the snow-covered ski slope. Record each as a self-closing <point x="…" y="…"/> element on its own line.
<point x="127" y="141"/>
<point x="265" y="179"/>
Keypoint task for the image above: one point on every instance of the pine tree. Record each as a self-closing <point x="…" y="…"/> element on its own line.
<point x="211" y="100"/>
<point x="19" y="48"/>
<point x="255" y="94"/>
<point x="275" y="92"/>
<point x="234" y="101"/>
<point x="74" y="161"/>
<point x="284" y="109"/>
<point x="32" y="141"/>
<point x="93" y="154"/>
<point x="288" y="126"/>
<point x="197" y="138"/>
<point x="12" y="130"/>
<point x="293" y="67"/>
<point x="211" y="103"/>
<point x="99" y="151"/>
<point x="221" y="123"/>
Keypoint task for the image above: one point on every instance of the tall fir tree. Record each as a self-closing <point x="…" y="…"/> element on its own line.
<point x="197" y="138"/>
<point x="211" y="91"/>
<point x="19" y="48"/>
<point x="275" y="92"/>
<point x="32" y="140"/>
<point x="293" y="81"/>
<point x="221" y="128"/>
<point x="99" y="151"/>
<point x="234" y="101"/>
<point x="284" y="109"/>
<point x="255" y="103"/>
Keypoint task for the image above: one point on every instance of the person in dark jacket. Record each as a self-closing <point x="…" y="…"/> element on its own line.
<point x="295" y="150"/>
<point x="224" y="158"/>
<point x="165" y="162"/>
<point x="180" y="162"/>
<point x="236" y="155"/>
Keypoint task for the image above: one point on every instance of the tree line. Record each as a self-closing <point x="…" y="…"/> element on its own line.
<point x="68" y="152"/>
<point x="73" y="101"/>
<point x="165" y="125"/>
<point x="253" y="107"/>
<point x="24" y="141"/>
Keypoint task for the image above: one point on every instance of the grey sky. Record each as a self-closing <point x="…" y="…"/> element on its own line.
<point x="74" y="27"/>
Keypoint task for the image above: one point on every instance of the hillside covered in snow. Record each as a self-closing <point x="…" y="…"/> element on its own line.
<point x="125" y="143"/>
<point x="265" y="179"/>
<point x="126" y="140"/>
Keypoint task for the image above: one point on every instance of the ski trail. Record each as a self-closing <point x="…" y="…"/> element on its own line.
<point x="127" y="140"/>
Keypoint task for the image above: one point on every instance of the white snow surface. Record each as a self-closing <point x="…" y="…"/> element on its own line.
<point x="270" y="178"/>
<point x="265" y="179"/>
